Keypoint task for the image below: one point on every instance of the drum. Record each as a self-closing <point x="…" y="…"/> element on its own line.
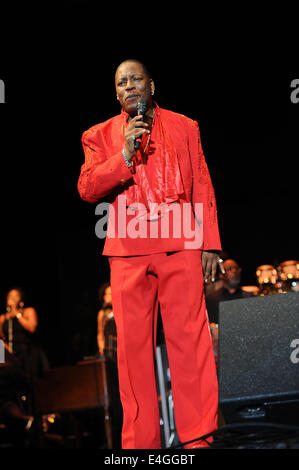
<point x="254" y="290"/>
<point x="267" y="277"/>
<point x="288" y="275"/>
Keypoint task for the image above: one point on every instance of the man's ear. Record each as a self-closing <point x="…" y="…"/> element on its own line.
<point x="152" y="85"/>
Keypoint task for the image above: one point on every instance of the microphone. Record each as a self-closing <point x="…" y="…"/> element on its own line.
<point x="141" y="110"/>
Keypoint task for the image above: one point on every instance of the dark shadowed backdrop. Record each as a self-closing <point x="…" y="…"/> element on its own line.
<point x="59" y="79"/>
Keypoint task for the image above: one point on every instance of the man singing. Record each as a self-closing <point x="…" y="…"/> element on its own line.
<point x="162" y="242"/>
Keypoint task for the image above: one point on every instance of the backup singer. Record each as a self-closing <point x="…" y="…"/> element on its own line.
<point x="166" y="175"/>
<point x="17" y="328"/>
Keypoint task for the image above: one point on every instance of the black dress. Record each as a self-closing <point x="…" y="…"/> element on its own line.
<point x="28" y="355"/>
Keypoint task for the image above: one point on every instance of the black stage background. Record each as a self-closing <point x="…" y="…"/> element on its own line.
<point x="59" y="76"/>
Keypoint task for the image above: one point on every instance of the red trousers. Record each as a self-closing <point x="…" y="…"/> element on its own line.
<point x="175" y="280"/>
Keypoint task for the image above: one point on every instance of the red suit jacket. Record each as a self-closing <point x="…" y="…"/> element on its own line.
<point x="105" y="174"/>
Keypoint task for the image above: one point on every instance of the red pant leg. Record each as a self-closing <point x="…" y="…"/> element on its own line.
<point x="134" y="299"/>
<point x="188" y="342"/>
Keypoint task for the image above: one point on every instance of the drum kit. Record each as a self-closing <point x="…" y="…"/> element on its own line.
<point x="280" y="280"/>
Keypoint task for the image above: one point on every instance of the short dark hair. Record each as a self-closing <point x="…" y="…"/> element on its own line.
<point x="145" y="69"/>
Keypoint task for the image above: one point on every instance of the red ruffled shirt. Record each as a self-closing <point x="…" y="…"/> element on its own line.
<point x="172" y="171"/>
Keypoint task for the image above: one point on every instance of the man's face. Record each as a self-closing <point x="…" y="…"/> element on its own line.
<point x="132" y="83"/>
<point x="232" y="272"/>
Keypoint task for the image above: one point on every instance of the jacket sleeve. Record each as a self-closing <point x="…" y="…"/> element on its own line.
<point x="203" y="191"/>
<point x="99" y="174"/>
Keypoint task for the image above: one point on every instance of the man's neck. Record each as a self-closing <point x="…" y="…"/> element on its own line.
<point x="231" y="290"/>
<point x="148" y="117"/>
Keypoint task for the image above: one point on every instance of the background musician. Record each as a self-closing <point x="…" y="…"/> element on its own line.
<point x="105" y="314"/>
<point x="228" y="289"/>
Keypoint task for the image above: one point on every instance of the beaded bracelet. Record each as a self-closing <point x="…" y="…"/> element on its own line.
<point x="129" y="164"/>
